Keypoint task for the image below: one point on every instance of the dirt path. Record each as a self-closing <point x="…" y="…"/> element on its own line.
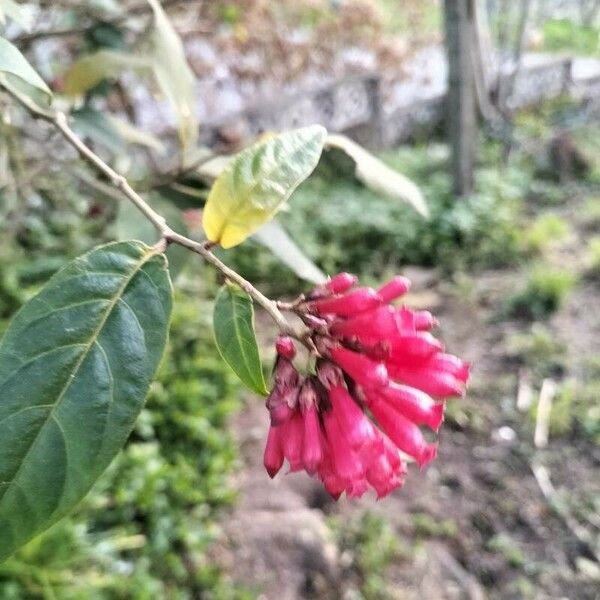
<point x="473" y="525"/>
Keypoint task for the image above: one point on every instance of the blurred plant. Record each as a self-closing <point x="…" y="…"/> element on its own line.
<point x="591" y="212"/>
<point x="544" y="293"/>
<point x="575" y="410"/>
<point x="546" y="231"/>
<point x="428" y="526"/>
<point x="504" y="546"/>
<point x="368" y="545"/>
<point x="539" y="350"/>
<point x="593" y="257"/>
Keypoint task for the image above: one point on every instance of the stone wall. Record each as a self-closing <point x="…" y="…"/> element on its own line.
<point x="354" y="105"/>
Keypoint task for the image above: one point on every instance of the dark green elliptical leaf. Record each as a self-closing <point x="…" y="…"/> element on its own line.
<point x="75" y="366"/>
<point x="233" y="321"/>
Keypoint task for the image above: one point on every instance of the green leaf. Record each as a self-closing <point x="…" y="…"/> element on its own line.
<point x="257" y="182"/>
<point x="233" y="320"/>
<point x="376" y="175"/>
<point x="75" y="365"/>
<point x="173" y="73"/>
<point x="14" y="64"/>
<point x="274" y="237"/>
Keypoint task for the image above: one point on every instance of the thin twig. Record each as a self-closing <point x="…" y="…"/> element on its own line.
<point x="168" y="236"/>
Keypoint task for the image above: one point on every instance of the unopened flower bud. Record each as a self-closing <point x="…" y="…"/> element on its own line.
<point x="273" y="456"/>
<point x="341" y="283"/>
<point x="393" y="289"/>
<point x="285" y="347"/>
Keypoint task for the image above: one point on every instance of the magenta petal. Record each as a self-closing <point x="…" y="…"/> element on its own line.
<point x="352" y="420"/>
<point x="420" y="345"/>
<point x="345" y="461"/>
<point x="365" y="371"/>
<point x="436" y="383"/>
<point x="273" y="456"/>
<point x="424" y="320"/>
<point x="292" y="433"/>
<point x="312" y="448"/>
<point x="341" y="283"/>
<point x="404" y="433"/>
<point x="414" y="404"/>
<point x="368" y="328"/>
<point x="350" y="304"/>
<point x="393" y="289"/>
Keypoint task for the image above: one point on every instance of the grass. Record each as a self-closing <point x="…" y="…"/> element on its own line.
<point x="370" y="545"/>
<point x="546" y="231"/>
<point x="507" y="548"/>
<point x="539" y="350"/>
<point x="544" y="293"/>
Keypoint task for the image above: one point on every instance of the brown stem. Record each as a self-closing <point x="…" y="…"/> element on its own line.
<point x="168" y="236"/>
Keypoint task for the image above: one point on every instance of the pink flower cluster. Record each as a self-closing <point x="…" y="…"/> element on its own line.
<point x="375" y="378"/>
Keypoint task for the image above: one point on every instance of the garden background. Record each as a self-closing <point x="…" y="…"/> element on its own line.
<point x="511" y="269"/>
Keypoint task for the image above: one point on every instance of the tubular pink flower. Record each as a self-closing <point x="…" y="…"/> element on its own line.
<point x="312" y="448"/>
<point x="292" y="434"/>
<point x="333" y="484"/>
<point x="341" y="283"/>
<point x="365" y="371"/>
<point x="369" y="328"/>
<point x="383" y="477"/>
<point x="345" y="461"/>
<point x="424" y="320"/>
<point x="415" y="405"/>
<point x="449" y="363"/>
<point x="357" y="488"/>
<point x="370" y="354"/>
<point x="404" y="433"/>
<point x="273" y="456"/>
<point x="348" y="305"/>
<point x="394" y="288"/>
<point x="435" y="383"/>
<point x="405" y="320"/>
<point x="419" y="344"/>
<point x="352" y="420"/>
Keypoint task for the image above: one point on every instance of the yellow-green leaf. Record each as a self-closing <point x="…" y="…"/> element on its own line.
<point x="257" y="182"/>
<point x="90" y="70"/>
